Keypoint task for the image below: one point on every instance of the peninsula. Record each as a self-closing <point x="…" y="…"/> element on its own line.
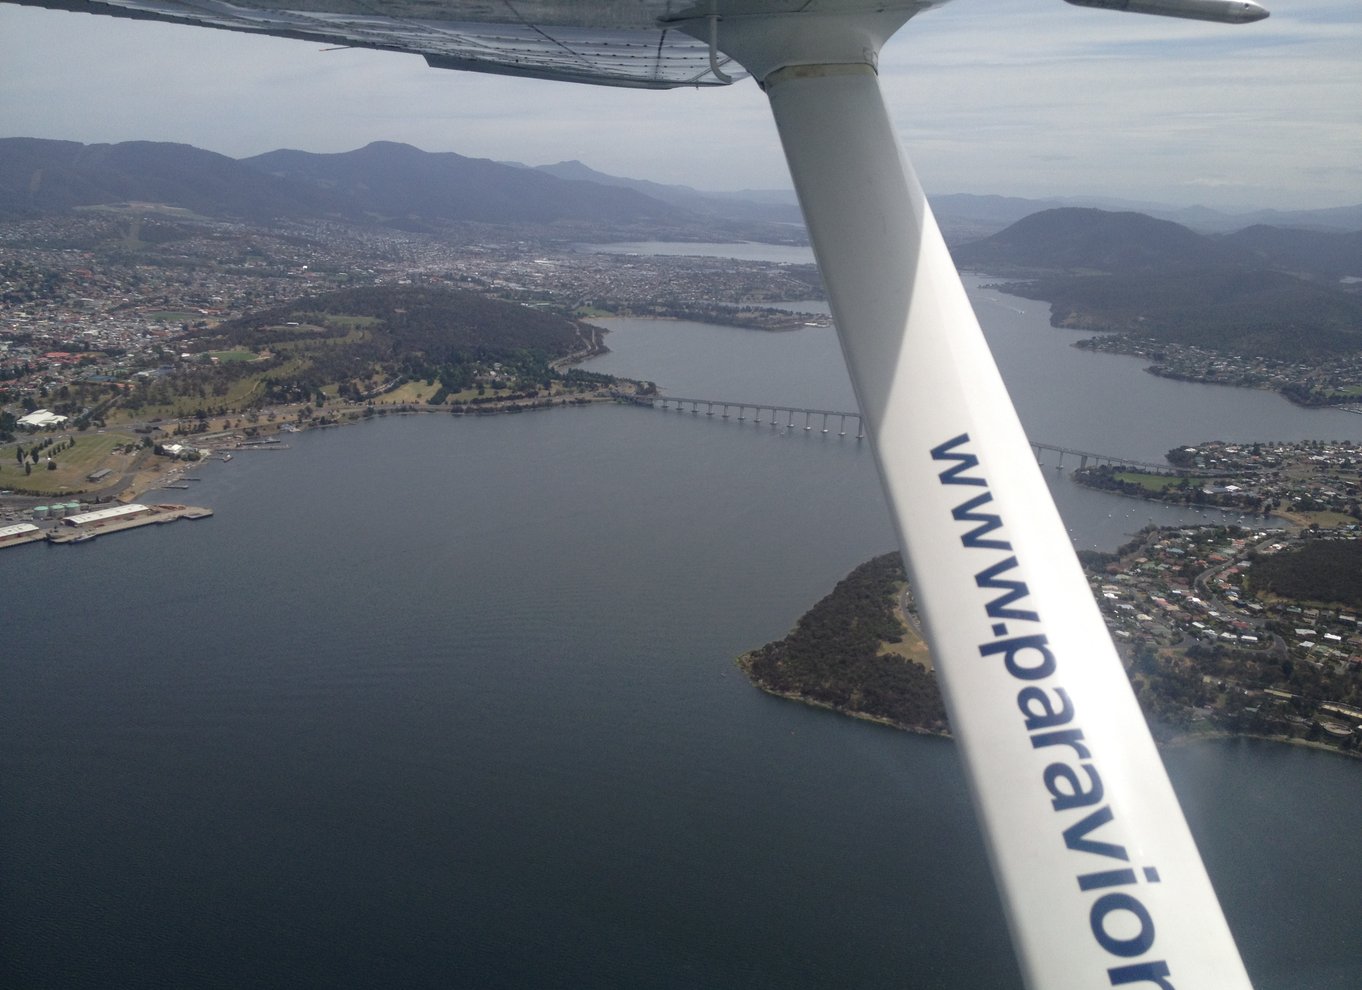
<point x="858" y="652"/>
<point x="1223" y="631"/>
<point x="1264" y="307"/>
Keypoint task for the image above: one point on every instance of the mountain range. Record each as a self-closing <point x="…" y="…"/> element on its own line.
<point x="380" y="183"/>
<point x="753" y="205"/>
<point x="399" y="185"/>
<point x="1259" y="289"/>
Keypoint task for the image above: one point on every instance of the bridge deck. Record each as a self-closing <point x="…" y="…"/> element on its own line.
<point x="1083" y="457"/>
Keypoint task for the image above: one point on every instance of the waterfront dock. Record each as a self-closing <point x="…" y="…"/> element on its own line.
<point x="21" y="533"/>
<point x="79" y="528"/>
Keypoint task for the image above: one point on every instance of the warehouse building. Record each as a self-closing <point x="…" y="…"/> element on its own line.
<point x="116" y="513"/>
<point x="9" y="534"/>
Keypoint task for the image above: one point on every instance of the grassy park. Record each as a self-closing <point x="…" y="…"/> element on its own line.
<point x="87" y="452"/>
<point x="1156" y="482"/>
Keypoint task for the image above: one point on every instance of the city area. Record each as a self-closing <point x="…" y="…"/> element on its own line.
<point x="108" y="365"/>
<point x="136" y="344"/>
<point x="1221" y="633"/>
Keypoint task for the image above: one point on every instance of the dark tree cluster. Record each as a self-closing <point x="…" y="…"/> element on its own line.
<point x="366" y="339"/>
<point x="1318" y="571"/>
<point x="1256" y="314"/>
<point x="435" y="321"/>
<point x="833" y="655"/>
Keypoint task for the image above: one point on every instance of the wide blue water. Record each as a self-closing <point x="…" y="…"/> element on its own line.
<point x="439" y="702"/>
<point x="1066" y="397"/>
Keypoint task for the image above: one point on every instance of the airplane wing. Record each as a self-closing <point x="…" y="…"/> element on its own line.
<point x="649" y="44"/>
<point x="1100" y="880"/>
<point x="610" y="42"/>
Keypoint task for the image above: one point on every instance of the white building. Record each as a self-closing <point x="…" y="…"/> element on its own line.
<point x="40" y="418"/>
<point x="8" y="533"/>
<point x="105" y="515"/>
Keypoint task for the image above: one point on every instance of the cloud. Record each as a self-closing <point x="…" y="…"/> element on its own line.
<point x="1021" y="97"/>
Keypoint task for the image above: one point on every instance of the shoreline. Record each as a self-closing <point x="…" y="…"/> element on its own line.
<point x="1176" y="741"/>
<point x="1192" y="738"/>
<point x="115" y="519"/>
<point x="744" y="664"/>
<point x="136" y="480"/>
<point x="844" y="654"/>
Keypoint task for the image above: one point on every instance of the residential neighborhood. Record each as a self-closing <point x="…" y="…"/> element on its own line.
<point x="1209" y="650"/>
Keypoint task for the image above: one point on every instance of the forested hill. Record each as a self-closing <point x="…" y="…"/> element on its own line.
<point x="1249" y="313"/>
<point x="833" y="656"/>
<point x="1263" y="293"/>
<point x="1075" y="239"/>
<point x="1324" y="254"/>
<point x="374" y="346"/>
<point x="356" y="343"/>
<point x="439" y="323"/>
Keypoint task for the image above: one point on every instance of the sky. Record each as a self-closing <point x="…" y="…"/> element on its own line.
<point x="1031" y="98"/>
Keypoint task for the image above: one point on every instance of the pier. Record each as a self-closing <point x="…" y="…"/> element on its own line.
<point x="87" y="526"/>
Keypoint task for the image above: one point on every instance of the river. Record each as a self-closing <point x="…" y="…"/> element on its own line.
<point x="439" y="702"/>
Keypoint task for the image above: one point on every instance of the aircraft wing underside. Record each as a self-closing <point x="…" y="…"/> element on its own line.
<point x="635" y="43"/>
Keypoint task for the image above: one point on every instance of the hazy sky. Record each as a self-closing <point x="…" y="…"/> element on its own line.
<point x="1016" y="97"/>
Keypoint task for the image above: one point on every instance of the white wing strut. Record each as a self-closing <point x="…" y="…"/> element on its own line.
<point x="1100" y="880"/>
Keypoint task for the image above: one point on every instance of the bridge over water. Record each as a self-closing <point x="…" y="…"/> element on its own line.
<point x="790" y="417"/>
<point x="843" y="423"/>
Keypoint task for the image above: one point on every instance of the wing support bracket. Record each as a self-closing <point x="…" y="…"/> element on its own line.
<point x="714" y="69"/>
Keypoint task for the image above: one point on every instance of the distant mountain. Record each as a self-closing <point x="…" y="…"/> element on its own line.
<point x="961" y="213"/>
<point x="39" y="177"/>
<point x="1087" y="240"/>
<point x="1338" y="219"/>
<point x="384" y="181"/>
<point x="1079" y="239"/>
<point x="761" y="206"/>
<point x="1263" y="292"/>
<point x="402" y="186"/>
